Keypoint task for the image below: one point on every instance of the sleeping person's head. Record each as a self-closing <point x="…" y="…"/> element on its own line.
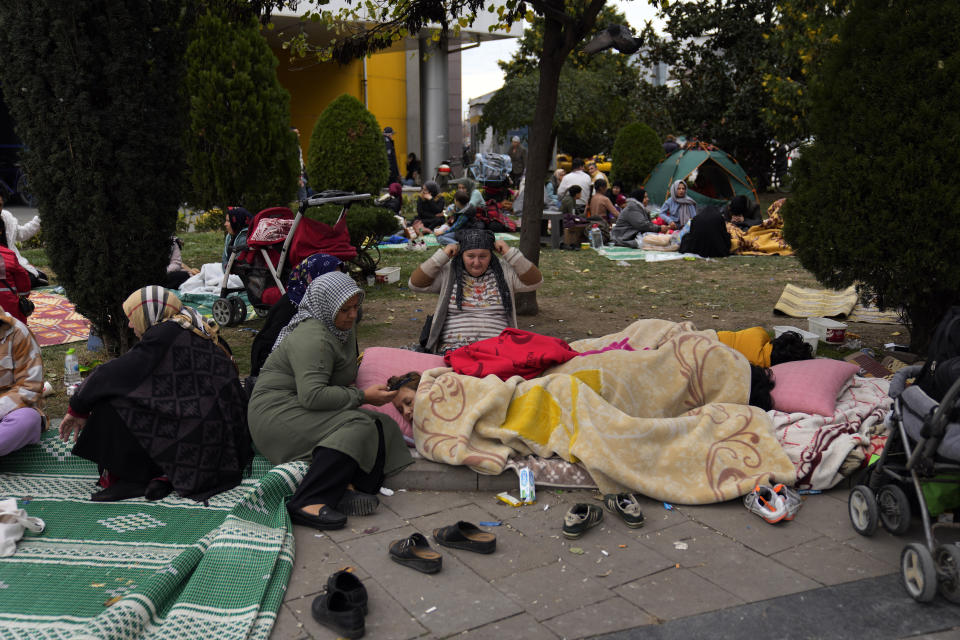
<point x="789" y="346"/>
<point x="406" y="388"/>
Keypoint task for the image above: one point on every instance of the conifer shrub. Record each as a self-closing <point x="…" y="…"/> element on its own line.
<point x="94" y="89"/>
<point x="240" y="149"/>
<point x="875" y="197"/>
<point x="636" y="151"/>
<point x="347" y="150"/>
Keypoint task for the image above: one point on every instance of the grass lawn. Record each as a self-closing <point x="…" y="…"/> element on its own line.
<point x="583" y="294"/>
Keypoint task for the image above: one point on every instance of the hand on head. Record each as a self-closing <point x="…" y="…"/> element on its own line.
<point x="501" y="247"/>
<point x="378" y="395"/>
<point x="451" y="250"/>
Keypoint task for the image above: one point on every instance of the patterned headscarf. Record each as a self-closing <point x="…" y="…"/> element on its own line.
<point x="152" y="305"/>
<point x="309" y="269"/>
<point x="480" y="239"/>
<point x="322" y="301"/>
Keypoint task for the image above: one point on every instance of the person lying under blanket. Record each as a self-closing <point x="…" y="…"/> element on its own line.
<point x="760" y="350"/>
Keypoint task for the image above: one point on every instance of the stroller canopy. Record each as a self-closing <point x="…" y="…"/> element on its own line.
<point x="491" y="168"/>
<point x="718" y="177"/>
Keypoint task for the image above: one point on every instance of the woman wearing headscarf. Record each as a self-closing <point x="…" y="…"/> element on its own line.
<point x="634" y="220"/>
<point x="168" y="415"/>
<point x="430" y="206"/>
<point x="305" y="407"/>
<point x="476" y="289"/>
<point x="286" y="307"/>
<point x="679" y="208"/>
<point x="708" y="236"/>
<point x="238" y="219"/>
<point x="392" y="199"/>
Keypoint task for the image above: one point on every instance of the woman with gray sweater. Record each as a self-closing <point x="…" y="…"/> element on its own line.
<point x="633" y="221"/>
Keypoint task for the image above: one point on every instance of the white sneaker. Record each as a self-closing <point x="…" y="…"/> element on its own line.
<point x="766" y="503"/>
<point x="791" y="499"/>
<point x="47" y="389"/>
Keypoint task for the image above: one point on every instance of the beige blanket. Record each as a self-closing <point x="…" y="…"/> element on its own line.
<point x="669" y="420"/>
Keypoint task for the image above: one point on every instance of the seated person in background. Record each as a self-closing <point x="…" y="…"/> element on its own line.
<point x="413" y="170"/>
<point x="14" y="284"/>
<point x="741" y="213"/>
<point x="600" y="211"/>
<point x="465" y="217"/>
<point x="12" y="232"/>
<point x="679" y="209"/>
<point x="616" y="195"/>
<point x="550" y="198"/>
<point x="476" y="289"/>
<point x="21" y="369"/>
<point x="761" y="351"/>
<point x="137" y="426"/>
<point x="305" y="407"/>
<point x="573" y="220"/>
<point x="469" y="187"/>
<point x="595" y="173"/>
<point x="577" y="176"/>
<point x="177" y="271"/>
<point x="392" y="199"/>
<point x="286" y="307"/>
<point x="634" y="220"/>
<point x="429" y="206"/>
<point x="236" y="224"/>
<point x="707" y="235"/>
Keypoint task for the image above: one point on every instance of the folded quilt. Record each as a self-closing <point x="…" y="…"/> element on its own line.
<point x="669" y="419"/>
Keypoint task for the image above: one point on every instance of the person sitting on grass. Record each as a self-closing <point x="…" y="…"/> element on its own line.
<point x="154" y="424"/>
<point x="12" y="232"/>
<point x="600" y="211"/>
<point x="573" y="220"/>
<point x="740" y="213"/>
<point x="236" y="224"/>
<point x="21" y="392"/>
<point x="429" y="206"/>
<point x="634" y="220"/>
<point x="476" y="289"/>
<point x="464" y="218"/>
<point x="305" y="407"/>
<point x="679" y="209"/>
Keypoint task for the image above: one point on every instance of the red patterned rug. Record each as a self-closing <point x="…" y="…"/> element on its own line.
<point x="55" y="321"/>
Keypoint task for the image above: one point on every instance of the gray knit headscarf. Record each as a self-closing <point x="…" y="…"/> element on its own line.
<point x="480" y="239"/>
<point x="322" y="300"/>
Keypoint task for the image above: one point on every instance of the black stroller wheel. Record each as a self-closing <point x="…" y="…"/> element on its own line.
<point x="918" y="573"/>
<point x="238" y="310"/>
<point x="947" y="558"/>
<point x="894" y="509"/>
<point x="863" y="510"/>
<point x="221" y="312"/>
<point x="261" y="311"/>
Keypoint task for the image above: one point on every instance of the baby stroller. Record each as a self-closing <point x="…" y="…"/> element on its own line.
<point x="492" y="172"/>
<point x="922" y="454"/>
<point x="279" y="240"/>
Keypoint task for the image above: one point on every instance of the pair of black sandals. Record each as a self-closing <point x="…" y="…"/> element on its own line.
<point x="343" y="606"/>
<point x="415" y="551"/>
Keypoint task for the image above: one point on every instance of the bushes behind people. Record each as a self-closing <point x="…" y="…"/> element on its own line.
<point x="347" y="150"/>
<point x="636" y="151"/>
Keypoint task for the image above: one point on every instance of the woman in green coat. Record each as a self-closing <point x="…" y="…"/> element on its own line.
<point x="304" y="407"/>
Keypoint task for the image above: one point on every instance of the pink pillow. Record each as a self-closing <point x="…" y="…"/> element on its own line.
<point x="810" y="386"/>
<point x="380" y="364"/>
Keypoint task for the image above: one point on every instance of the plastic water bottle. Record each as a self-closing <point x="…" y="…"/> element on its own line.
<point x="596" y="237"/>
<point x="71" y="371"/>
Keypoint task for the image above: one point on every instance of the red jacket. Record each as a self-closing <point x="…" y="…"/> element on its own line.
<point x="13" y="281"/>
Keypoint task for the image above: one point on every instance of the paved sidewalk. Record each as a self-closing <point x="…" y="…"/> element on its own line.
<point x="684" y="563"/>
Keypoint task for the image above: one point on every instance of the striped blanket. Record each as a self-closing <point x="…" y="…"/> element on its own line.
<point x="137" y="569"/>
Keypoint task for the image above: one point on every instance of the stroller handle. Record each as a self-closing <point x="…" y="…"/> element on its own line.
<point x="333" y="197"/>
<point x="899" y="382"/>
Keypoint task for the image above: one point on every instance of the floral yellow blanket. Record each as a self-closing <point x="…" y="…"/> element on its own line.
<point x="764" y="239"/>
<point x="669" y="419"/>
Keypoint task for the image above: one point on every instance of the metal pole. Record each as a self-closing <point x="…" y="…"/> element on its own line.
<point x="434" y="104"/>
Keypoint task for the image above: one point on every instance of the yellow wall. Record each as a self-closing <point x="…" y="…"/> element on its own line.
<point x="313" y="86"/>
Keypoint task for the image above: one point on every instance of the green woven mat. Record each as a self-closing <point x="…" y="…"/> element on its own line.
<point x="137" y="569"/>
<point x="431" y="241"/>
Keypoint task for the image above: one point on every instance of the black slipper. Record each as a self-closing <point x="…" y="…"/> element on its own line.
<point x="415" y="552"/>
<point x="334" y="611"/>
<point x="356" y="503"/>
<point x="120" y="490"/>
<point x="351" y="587"/>
<point x="326" y="518"/>
<point x="158" y="489"/>
<point x="467" y="536"/>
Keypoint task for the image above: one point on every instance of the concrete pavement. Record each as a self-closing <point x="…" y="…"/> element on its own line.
<point x="690" y="572"/>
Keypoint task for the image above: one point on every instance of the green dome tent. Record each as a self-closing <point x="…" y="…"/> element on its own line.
<point x="718" y="179"/>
